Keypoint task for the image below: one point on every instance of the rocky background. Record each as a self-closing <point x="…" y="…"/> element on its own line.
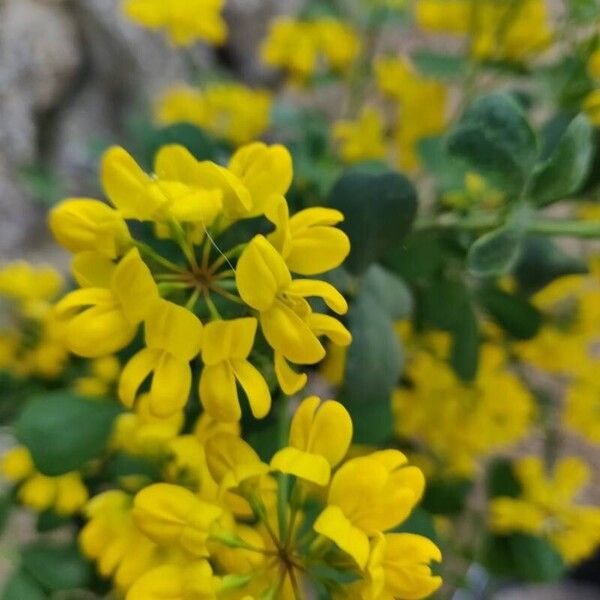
<point x="72" y="75"/>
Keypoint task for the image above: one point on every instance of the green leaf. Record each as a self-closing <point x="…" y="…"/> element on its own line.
<point x="449" y="172"/>
<point x="447" y="305"/>
<point x="420" y="522"/>
<point x="388" y="291"/>
<point x="536" y="559"/>
<point x="49" y="520"/>
<point x="516" y="315"/>
<point x="379" y="211"/>
<point x="56" y="566"/>
<point x="564" y="172"/>
<point x="496" y="253"/>
<point x="501" y="479"/>
<point x="439" y="66"/>
<point x="419" y="258"/>
<point x="495" y="139"/>
<point x="543" y="261"/>
<point x="5" y="509"/>
<point x="20" y="586"/>
<point x="583" y="11"/>
<point x="63" y="431"/>
<point x="373" y="367"/>
<point x="446" y="497"/>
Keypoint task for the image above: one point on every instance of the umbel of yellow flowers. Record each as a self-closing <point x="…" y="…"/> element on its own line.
<point x="125" y="283"/>
<point x="242" y="528"/>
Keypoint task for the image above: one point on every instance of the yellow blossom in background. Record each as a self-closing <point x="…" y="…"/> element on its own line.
<point x="300" y="46"/>
<point x="362" y="139"/>
<point x="547" y="506"/>
<point x="184" y="21"/>
<point x="421" y="105"/>
<point x="25" y="283"/>
<point x="498" y="29"/>
<point x="473" y="421"/>
<point x="65" y="494"/>
<point x="230" y="111"/>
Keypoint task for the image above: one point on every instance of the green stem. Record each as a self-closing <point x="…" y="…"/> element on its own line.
<point x="282" y="479"/>
<point x="149" y="252"/>
<point x="565" y="228"/>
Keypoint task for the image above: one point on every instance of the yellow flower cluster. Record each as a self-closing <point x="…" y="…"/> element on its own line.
<point x="472" y="420"/>
<point x="421" y="106"/>
<point x="30" y="337"/>
<point x="65" y="494"/>
<point x="124" y="282"/>
<point x="184" y="21"/>
<point x="498" y="29"/>
<point x="225" y="524"/>
<point x="546" y="506"/>
<point x="564" y="346"/>
<point x="304" y="47"/>
<point x="362" y="139"/>
<point x="230" y="111"/>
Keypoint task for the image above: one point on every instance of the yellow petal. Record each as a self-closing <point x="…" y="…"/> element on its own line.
<point x="279" y="214"/>
<point x="224" y="340"/>
<point x="126" y="185"/>
<point x="133" y="285"/>
<point x="314" y="287"/>
<point x="329" y="326"/>
<point x="232" y="461"/>
<point x="330" y="432"/>
<point x="289" y="381"/>
<point x="255" y="387"/>
<point x="99" y="330"/>
<point x="317" y="250"/>
<point x="171" y="385"/>
<point x="289" y="335"/>
<point x="138" y="368"/>
<point x="218" y="392"/>
<point x="92" y="269"/>
<point x="175" y="329"/>
<point x="237" y="202"/>
<point x="310" y="467"/>
<point x="265" y="170"/>
<point x="261" y="273"/>
<point x="81" y="224"/>
<point x="333" y="524"/>
<point x="315" y="217"/>
<point x="174" y="516"/>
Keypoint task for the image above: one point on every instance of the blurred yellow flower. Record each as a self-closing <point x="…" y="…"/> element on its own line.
<point x="230" y="111"/>
<point x="361" y="139"/>
<point x="185" y="21"/>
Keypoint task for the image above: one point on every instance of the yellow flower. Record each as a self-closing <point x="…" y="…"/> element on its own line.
<point x="104" y="373"/>
<point x="114" y="542"/>
<point x="362" y="139"/>
<point x="230" y="111"/>
<point x="177" y="190"/>
<point x="287" y="321"/>
<point x="85" y="224"/>
<point x="307" y="241"/>
<point x="173" y="339"/>
<point x="320" y="436"/>
<point x="16" y="464"/>
<point x="103" y="318"/>
<point x="547" y="507"/>
<point x="232" y="462"/>
<point x="185" y="21"/>
<point x="190" y="580"/>
<point x="369" y="495"/>
<point x="225" y="351"/>
<point x="298" y="46"/>
<point x="421" y="106"/>
<point x="25" y="283"/>
<point x="174" y="517"/>
<point x="143" y="433"/>
<point x="500" y="29"/>
<point x="398" y="567"/>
